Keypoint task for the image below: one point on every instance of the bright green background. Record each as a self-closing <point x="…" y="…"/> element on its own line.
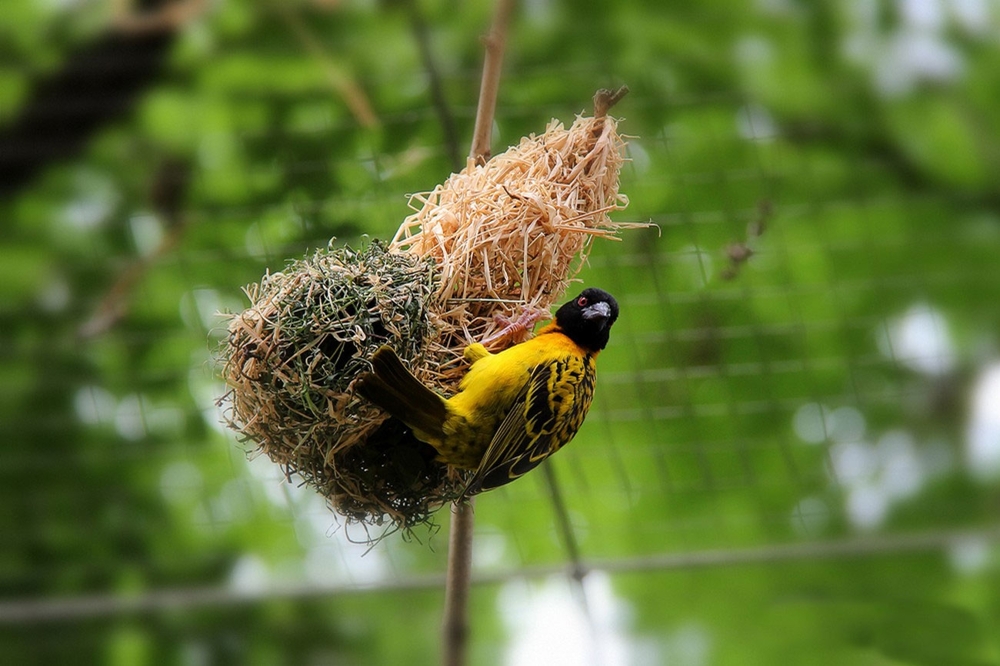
<point x="826" y="393"/>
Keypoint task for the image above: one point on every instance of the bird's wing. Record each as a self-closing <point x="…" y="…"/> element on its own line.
<point x="545" y="415"/>
<point x="394" y="388"/>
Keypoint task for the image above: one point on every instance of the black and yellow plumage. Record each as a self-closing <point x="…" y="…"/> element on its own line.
<point x="514" y="408"/>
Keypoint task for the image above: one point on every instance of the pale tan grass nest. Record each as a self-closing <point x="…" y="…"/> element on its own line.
<point x="508" y="236"/>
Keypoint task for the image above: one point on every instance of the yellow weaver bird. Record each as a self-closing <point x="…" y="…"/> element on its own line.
<point x="513" y="409"/>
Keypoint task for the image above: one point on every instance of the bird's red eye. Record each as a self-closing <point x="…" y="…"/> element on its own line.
<point x="582" y="301"/>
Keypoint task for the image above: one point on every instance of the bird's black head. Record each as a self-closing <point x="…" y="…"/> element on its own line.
<point x="587" y="319"/>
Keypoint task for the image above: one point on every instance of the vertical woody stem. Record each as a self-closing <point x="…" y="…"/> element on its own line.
<point x="456" y="617"/>
<point x="456" y="622"/>
<point x="495" y="43"/>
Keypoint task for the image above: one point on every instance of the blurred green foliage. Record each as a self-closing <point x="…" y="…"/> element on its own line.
<point x="828" y="387"/>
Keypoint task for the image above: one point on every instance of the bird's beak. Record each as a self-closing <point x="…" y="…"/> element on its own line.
<point x="600" y="311"/>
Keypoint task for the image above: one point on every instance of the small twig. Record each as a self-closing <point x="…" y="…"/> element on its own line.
<point x="495" y="43"/>
<point x="579" y="568"/>
<point x="738" y="253"/>
<point x="342" y="82"/>
<point x="422" y="37"/>
<point x="604" y="99"/>
<point x="562" y="520"/>
<point x="167" y="198"/>
<point x="167" y="18"/>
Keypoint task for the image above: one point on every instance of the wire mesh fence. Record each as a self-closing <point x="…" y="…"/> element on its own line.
<point x="804" y="372"/>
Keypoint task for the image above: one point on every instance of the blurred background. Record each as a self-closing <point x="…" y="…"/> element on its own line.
<point x="794" y="452"/>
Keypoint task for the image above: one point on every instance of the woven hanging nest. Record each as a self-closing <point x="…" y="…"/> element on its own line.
<point x="493" y="243"/>
<point x="289" y="361"/>
<point x="508" y="236"/>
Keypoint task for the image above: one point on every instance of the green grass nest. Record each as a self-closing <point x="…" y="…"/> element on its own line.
<point x="289" y="362"/>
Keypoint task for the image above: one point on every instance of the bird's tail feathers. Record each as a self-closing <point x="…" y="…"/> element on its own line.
<point x="394" y="388"/>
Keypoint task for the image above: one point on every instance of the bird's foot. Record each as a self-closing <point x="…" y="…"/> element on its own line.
<point x="516" y="329"/>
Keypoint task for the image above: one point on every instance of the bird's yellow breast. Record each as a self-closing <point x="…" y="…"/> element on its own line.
<point x="489" y="390"/>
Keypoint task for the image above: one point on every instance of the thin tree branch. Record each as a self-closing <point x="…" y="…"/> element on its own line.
<point x="562" y="520"/>
<point x="169" y="17"/>
<point x="496" y="43"/>
<point x="457" y="582"/>
<point x="456" y="622"/>
<point x="340" y="80"/>
<point x="579" y="570"/>
<point x="422" y="36"/>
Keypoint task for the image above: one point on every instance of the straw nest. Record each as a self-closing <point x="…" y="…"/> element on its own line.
<point x="508" y="236"/>
<point x="291" y="356"/>
<point x="483" y="256"/>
